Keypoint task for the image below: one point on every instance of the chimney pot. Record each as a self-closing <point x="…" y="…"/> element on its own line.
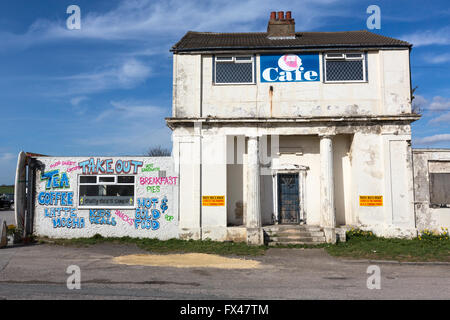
<point x="280" y="15"/>
<point x="280" y="26"/>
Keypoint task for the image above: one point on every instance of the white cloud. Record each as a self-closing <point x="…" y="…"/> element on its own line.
<point x="133" y="71"/>
<point x="76" y="104"/>
<point x="440" y="103"/>
<point x="442" y="118"/>
<point x="437" y="104"/>
<point x="129" y="109"/>
<point x="420" y="100"/>
<point x="139" y="29"/>
<point x="127" y="126"/>
<point x="439" y="58"/>
<point x="77" y="100"/>
<point x="434" y="139"/>
<point x="131" y="139"/>
<point x="429" y="37"/>
<point x="125" y="136"/>
<point x="7" y="157"/>
<point x="145" y="19"/>
<point x="124" y="75"/>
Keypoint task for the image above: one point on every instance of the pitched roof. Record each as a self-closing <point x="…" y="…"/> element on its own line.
<point x="210" y="41"/>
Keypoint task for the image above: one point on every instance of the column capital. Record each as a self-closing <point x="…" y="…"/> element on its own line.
<point x="326" y="135"/>
<point x="328" y="132"/>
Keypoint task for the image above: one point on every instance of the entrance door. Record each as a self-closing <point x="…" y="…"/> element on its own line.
<point x="288" y="198"/>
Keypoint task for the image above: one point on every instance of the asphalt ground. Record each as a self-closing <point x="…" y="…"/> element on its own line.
<point x="40" y="272"/>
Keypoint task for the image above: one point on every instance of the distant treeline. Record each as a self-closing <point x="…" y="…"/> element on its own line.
<point x="6" y="189"/>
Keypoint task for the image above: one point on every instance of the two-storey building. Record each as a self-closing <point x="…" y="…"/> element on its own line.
<point x="285" y="127"/>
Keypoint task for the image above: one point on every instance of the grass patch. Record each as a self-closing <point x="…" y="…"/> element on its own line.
<point x="359" y="245"/>
<point x="172" y="245"/>
<point x="365" y="245"/>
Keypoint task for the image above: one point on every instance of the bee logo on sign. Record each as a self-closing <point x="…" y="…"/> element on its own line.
<point x="290" y="68"/>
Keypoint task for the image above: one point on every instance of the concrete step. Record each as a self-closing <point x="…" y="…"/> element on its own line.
<point x="291" y="228"/>
<point x="293" y="234"/>
<point x="296" y="233"/>
<point x="274" y="244"/>
<point x="297" y="239"/>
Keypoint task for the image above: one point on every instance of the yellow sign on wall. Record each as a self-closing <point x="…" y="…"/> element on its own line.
<point x="213" y="200"/>
<point x="371" y="201"/>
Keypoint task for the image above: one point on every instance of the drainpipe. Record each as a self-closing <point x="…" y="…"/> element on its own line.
<point x="201" y="191"/>
<point x="200" y="142"/>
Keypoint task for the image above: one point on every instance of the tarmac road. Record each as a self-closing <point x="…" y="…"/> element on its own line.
<point x="39" y="272"/>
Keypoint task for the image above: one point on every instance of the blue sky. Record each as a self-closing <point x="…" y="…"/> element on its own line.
<point x="105" y="89"/>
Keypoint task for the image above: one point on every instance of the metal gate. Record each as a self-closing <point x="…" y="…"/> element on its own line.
<point x="288" y="198"/>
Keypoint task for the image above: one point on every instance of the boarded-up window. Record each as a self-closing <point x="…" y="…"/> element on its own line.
<point x="440" y="189"/>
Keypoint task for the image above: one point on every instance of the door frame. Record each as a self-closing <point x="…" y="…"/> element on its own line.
<point x="296" y="169"/>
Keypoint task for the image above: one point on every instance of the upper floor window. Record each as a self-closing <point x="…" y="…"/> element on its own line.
<point x="345" y="67"/>
<point x="234" y="69"/>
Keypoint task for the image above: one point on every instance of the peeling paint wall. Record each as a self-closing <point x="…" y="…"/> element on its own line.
<point x="381" y="166"/>
<point x="395" y="82"/>
<point x="365" y="160"/>
<point x="367" y="176"/>
<point x="186" y="89"/>
<point x="386" y="92"/>
<point x="62" y="212"/>
<point x="370" y="158"/>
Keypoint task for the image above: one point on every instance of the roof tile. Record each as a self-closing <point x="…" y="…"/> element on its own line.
<point x="196" y="41"/>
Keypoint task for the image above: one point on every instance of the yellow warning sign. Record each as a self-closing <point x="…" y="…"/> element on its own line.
<point x="213" y="200"/>
<point x="371" y="201"/>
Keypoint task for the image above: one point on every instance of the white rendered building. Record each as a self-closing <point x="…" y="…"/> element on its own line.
<point x="295" y="128"/>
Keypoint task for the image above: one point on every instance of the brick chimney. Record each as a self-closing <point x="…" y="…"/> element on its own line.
<point x="281" y="26"/>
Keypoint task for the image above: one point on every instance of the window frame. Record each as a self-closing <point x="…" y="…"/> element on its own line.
<point x="81" y="207"/>
<point x="233" y="59"/>
<point x="345" y="58"/>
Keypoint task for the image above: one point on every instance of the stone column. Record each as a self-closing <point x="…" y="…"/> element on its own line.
<point x="327" y="208"/>
<point x="253" y="212"/>
<point x="302" y="185"/>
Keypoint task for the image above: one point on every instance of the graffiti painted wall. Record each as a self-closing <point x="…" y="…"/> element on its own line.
<point x="114" y="197"/>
